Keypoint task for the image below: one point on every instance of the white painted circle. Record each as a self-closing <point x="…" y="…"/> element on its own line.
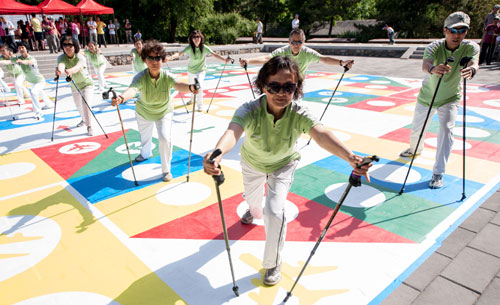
<point x="67" y="114"/>
<point x="469" y="119"/>
<point x="26" y="121"/>
<point x="342" y="136"/>
<point x="70" y="297"/>
<point x="471" y="132"/>
<point x="79" y="148"/>
<point x="381" y="103"/>
<point x="359" y="78"/>
<point x="394" y="173"/>
<point x="494" y="103"/>
<point x="30" y="239"/>
<point x="291" y="211"/>
<point x="335" y="100"/>
<point x="364" y="196"/>
<point x="183" y="193"/>
<point x="329" y="93"/>
<point x="218" y="90"/>
<point x="409" y="107"/>
<point x="457" y="144"/>
<point x="380" y="82"/>
<point x="134" y="148"/>
<point x="14" y="170"/>
<point x="376" y="87"/>
<point x="226" y="112"/>
<point x="143" y="172"/>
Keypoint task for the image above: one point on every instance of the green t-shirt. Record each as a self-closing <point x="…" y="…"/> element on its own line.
<point x="139" y="64"/>
<point x="13" y="69"/>
<point x="95" y="59"/>
<point x="31" y="71"/>
<point x="81" y="78"/>
<point x="197" y="61"/>
<point x="269" y="146"/>
<point x="303" y="59"/>
<point x="154" y="99"/>
<point x="450" y="88"/>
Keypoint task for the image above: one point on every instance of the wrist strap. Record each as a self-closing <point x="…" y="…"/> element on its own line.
<point x="189" y="87"/>
<point x="340" y="62"/>
<point x="123" y="99"/>
<point x="430" y="69"/>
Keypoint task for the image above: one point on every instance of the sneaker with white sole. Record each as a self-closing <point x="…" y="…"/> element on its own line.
<point x="247" y="218"/>
<point x="167" y="177"/>
<point x="140" y="158"/>
<point x="407" y="153"/>
<point x="272" y="276"/>
<point x="90" y="132"/>
<point x="80" y="124"/>
<point x="436" y="182"/>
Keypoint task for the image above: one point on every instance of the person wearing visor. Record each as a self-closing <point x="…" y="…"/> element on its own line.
<point x="272" y="124"/>
<point x="449" y="94"/>
<point x="154" y="106"/>
<point x="297" y="51"/>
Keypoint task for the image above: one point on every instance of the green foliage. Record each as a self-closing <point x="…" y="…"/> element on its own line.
<point x="365" y="33"/>
<point x="225" y="28"/>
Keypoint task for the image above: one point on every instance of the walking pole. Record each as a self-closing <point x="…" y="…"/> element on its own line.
<point x="218" y="181"/>
<point x="464" y="62"/>
<point x="69" y="79"/>
<point x="354" y="180"/>
<point x="225" y="63"/>
<point x="7" y="104"/>
<point x="196" y="87"/>
<point x="105" y="95"/>
<point x="346" y="68"/>
<point x="182" y="99"/>
<point x="55" y="106"/>
<point x="248" y="77"/>
<point x="449" y="59"/>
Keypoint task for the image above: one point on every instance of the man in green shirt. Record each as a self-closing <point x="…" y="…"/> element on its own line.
<point x="154" y="106"/>
<point x="301" y="54"/>
<point x="449" y="92"/>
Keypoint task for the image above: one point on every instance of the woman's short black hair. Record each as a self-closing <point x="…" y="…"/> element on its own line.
<point x="75" y="43"/>
<point x="274" y="66"/>
<point x="153" y="45"/>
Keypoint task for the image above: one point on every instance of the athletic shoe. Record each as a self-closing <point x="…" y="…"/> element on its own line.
<point x="80" y="124"/>
<point x="90" y="132"/>
<point x="272" y="276"/>
<point x="436" y="182"/>
<point x="189" y="102"/>
<point x="167" y="177"/>
<point x="247" y="218"/>
<point x="48" y="106"/>
<point x="407" y="153"/>
<point x="140" y="158"/>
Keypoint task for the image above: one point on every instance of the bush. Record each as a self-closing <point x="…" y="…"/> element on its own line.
<point x="225" y="28"/>
<point x="366" y="33"/>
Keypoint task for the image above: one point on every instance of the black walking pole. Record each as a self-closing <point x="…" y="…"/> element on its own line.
<point x="69" y="79"/>
<point x="464" y="62"/>
<point x="55" y="106"/>
<point x="105" y="95"/>
<point x="218" y="181"/>
<point x="346" y="68"/>
<point x="232" y="61"/>
<point x="196" y="87"/>
<point x="354" y="180"/>
<point x="449" y="59"/>
<point x="248" y="77"/>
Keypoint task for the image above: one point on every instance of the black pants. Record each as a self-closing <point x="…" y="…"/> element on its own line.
<point x="486" y="52"/>
<point x="101" y="40"/>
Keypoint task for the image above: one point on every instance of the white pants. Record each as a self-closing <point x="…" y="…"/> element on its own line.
<point x="201" y="79"/>
<point x="278" y="186"/>
<point x="19" y="85"/>
<point x="37" y="89"/>
<point x="100" y="77"/>
<point x="82" y="108"/>
<point x="3" y="83"/>
<point x="447" y="115"/>
<point x="164" y="129"/>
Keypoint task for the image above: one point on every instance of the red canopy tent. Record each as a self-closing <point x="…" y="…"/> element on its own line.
<point x="90" y="7"/>
<point x="58" y="7"/>
<point x="11" y="7"/>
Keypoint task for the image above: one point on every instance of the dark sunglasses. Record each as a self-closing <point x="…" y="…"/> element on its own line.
<point x="459" y="31"/>
<point x="194" y="37"/>
<point x="295" y="42"/>
<point x="155" y="58"/>
<point x="274" y="87"/>
<point x="68" y="45"/>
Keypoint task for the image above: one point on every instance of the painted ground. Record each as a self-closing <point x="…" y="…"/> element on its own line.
<point x="74" y="229"/>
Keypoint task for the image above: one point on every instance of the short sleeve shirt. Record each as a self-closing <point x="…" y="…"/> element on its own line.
<point x="450" y="88"/>
<point x="490" y="31"/>
<point x="100" y="27"/>
<point x="13" y="69"/>
<point x="36" y="24"/>
<point x="305" y="57"/>
<point x="95" y="59"/>
<point x="197" y="60"/>
<point x="154" y="99"/>
<point x="92" y="23"/>
<point x="81" y="78"/>
<point x="31" y="71"/>
<point x="138" y="63"/>
<point x="268" y="146"/>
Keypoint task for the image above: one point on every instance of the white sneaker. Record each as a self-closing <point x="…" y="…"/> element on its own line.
<point x="407" y="153"/>
<point x="272" y="276"/>
<point x="167" y="177"/>
<point x="90" y="132"/>
<point x="436" y="181"/>
<point x="80" y="124"/>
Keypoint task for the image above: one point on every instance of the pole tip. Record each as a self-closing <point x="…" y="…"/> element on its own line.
<point x="288" y="294"/>
<point x="235" y="290"/>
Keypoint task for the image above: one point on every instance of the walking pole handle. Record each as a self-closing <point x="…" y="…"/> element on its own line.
<point x="196" y="84"/>
<point x="232" y="59"/>
<point x="105" y="94"/>
<point x="220" y="178"/>
<point x="56" y="78"/>
<point x="354" y="179"/>
<point x="68" y="78"/>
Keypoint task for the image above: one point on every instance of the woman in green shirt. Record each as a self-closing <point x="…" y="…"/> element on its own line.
<point x="137" y="61"/>
<point x="153" y="106"/>
<point x="99" y="62"/>
<point x="272" y="124"/>
<point x="197" y="51"/>
<point x="8" y="60"/>
<point x="74" y="65"/>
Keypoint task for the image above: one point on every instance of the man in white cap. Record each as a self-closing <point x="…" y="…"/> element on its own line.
<point x="448" y="95"/>
<point x="491" y="16"/>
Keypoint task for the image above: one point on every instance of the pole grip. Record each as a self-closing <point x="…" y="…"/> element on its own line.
<point x="354" y="179"/>
<point x="220" y="178"/>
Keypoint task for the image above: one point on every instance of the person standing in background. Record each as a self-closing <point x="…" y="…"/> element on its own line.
<point x="260" y="30"/>
<point x="112" y="32"/>
<point x="36" y="24"/>
<point x="92" y="29"/>
<point x="295" y="22"/>
<point x="390" y="33"/>
<point x="100" y="32"/>
<point x="128" y="32"/>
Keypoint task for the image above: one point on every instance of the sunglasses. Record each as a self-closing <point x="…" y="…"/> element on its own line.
<point x="155" y="58"/>
<point x="275" y="88"/>
<point x="68" y="45"/>
<point x="459" y="31"/>
<point x="296" y="42"/>
<point x="195" y="37"/>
